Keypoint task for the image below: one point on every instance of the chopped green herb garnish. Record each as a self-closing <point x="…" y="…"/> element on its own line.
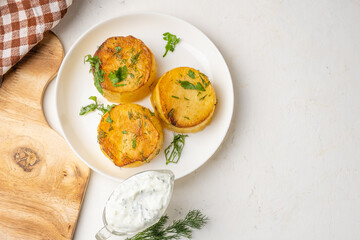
<point x="173" y="151"/>
<point x="175" y="97"/>
<point x="124" y="132"/>
<point x="142" y="155"/>
<point x="131" y="75"/>
<point x="206" y="83"/>
<point x="134" y="143"/>
<point x="101" y="135"/>
<point x="191" y="74"/>
<point x="138" y="81"/>
<point x="186" y="98"/>
<point x="94" y="98"/>
<point x="186" y="117"/>
<point x="118" y="75"/>
<point x="130" y="115"/>
<point x="151" y="113"/>
<point x="202" y="80"/>
<point x="108" y="119"/>
<point x="95" y="106"/>
<point x="172" y="40"/>
<point x="178" y="230"/>
<point x="132" y="50"/>
<point x="98" y="73"/>
<point x="135" y="57"/>
<point x="90" y="107"/>
<point x="203" y="97"/>
<point x="188" y="85"/>
<point x="109" y="107"/>
<point x="118" y="49"/>
<point x="171" y="113"/>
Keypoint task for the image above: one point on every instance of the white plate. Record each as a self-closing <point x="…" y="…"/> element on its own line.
<point x="75" y="85"/>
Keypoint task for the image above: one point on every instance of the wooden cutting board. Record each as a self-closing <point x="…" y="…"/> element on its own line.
<point x="42" y="182"/>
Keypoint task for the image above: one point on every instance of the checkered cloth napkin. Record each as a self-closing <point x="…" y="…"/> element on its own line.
<point x="23" y="24"/>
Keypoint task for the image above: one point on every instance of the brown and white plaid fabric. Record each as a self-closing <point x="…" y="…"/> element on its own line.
<point x="23" y="24"/>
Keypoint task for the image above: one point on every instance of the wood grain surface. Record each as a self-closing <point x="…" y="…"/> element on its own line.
<point x="42" y="182"/>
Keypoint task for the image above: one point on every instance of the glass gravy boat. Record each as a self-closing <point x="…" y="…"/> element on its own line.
<point x="107" y="231"/>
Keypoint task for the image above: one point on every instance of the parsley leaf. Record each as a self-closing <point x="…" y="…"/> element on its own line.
<point x="109" y="120"/>
<point x="98" y="73"/>
<point x="191" y="74"/>
<point x="188" y="85"/>
<point x="118" y="75"/>
<point x="172" y="40"/>
<point x="89" y="108"/>
<point x="95" y="106"/>
<point x="109" y="107"/>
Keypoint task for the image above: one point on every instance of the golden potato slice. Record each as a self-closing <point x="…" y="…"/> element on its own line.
<point x="130" y="135"/>
<point x="184" y="99"/>
<point x="129" y="69"/>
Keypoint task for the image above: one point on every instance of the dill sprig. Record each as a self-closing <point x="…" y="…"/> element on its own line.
<point x="174" y="150"/>
<point x="179" y="228"/>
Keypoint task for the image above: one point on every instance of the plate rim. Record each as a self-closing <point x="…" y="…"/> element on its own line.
<point x="231" y="107"/>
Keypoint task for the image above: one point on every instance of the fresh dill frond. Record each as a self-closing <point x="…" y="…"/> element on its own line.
<point x="179" y="228"/>
<point x="174" y="150"/>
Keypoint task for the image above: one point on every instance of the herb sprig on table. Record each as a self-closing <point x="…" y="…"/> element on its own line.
<point x="174" y="150"/>
<point x="179" y="228"/>
<point x="172" y="40"/>
<point x="98" y="73"/>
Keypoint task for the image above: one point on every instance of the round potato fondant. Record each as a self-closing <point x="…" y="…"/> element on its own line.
<point x="129" y="69"/>
<point x="130" y="135"/>
<point x="184" y="99"/>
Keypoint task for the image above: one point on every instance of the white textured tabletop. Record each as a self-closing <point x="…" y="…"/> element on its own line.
<point x="289" y="165"/>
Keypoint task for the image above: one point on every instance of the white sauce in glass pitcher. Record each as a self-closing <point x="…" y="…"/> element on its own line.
<point x="139" y="201"/>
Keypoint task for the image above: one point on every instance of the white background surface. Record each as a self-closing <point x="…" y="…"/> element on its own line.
<point x="289" y="166"/>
